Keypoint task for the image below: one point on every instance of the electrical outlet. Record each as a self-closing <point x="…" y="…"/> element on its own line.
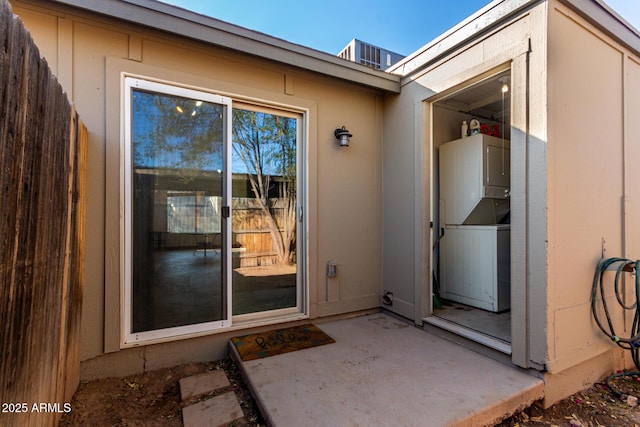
<point x="332" y="269"/>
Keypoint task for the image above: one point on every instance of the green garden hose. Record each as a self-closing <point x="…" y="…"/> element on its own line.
<point x="631" y="343"/>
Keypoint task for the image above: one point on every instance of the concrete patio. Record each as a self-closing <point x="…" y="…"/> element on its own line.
<point x="384" y="371"/>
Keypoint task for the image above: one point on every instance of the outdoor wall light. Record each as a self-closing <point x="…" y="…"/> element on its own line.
<point x="342" y="135"/>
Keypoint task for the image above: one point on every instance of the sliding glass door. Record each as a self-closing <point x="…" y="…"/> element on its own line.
<point x="212" y="212"/>
<point x="265" y="210"/>
<point x="176" y="210"/>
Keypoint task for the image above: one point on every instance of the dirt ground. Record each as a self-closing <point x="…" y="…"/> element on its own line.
<point x="595" y="406"/>
<point x="153" y="399"/>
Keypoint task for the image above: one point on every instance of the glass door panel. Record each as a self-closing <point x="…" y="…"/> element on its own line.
<point x="174" y="209"/>
<point x="264" y="211"/>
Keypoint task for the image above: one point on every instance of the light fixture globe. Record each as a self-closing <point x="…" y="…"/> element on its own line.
<point x="505" y="84"/>
<point x="342" y="135"/>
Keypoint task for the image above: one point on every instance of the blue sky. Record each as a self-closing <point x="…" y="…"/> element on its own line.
<point x="401" y="26"/>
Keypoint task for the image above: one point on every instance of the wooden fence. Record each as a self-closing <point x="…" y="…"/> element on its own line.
<point x="42" y="193"/>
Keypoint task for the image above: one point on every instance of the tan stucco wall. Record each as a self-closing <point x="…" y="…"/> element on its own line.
<point x="344" y="199"/>
<point x="593" y="91"/>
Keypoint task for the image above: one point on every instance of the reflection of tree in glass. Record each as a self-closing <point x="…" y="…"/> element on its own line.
<point x="175" y="132"/>
<point x="266" y="145"/>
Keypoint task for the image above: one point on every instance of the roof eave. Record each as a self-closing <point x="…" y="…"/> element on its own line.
<point x="607" y="20"/>
<point x="497" y="12"/>
<point x="175" y="20"/>
<point x="479" y="23"/>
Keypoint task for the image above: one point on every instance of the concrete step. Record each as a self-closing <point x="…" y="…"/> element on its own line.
<point x="214" y="412"/>
<point x="197" y="385"/>
<point x="383" y="371"/>
<point x="203" y="405"/>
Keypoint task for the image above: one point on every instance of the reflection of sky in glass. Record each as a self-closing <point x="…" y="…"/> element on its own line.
<point x="174" y="132"/>
<point x="270" y="142"/>
<point x="179" y="133"/>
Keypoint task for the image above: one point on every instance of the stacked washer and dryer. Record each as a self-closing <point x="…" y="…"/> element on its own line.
<point x="475" y="264"/>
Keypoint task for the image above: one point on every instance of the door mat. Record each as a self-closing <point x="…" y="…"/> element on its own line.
<point x="279" y="341"/>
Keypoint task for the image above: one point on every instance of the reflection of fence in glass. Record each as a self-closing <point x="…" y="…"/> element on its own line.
<point x="252" y="231"/>
<point x="193" y="214"/>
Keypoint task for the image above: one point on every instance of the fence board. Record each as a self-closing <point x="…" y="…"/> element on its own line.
<point x="42" y="193"/>
<point x="76" y="276"/>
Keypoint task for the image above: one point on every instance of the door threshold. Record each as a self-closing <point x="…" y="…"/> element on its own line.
<point x="479" y="337"/>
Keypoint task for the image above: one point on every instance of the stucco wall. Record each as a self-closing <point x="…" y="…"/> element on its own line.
<point x="593" y="91"/>
<point x="344" y="200"/>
